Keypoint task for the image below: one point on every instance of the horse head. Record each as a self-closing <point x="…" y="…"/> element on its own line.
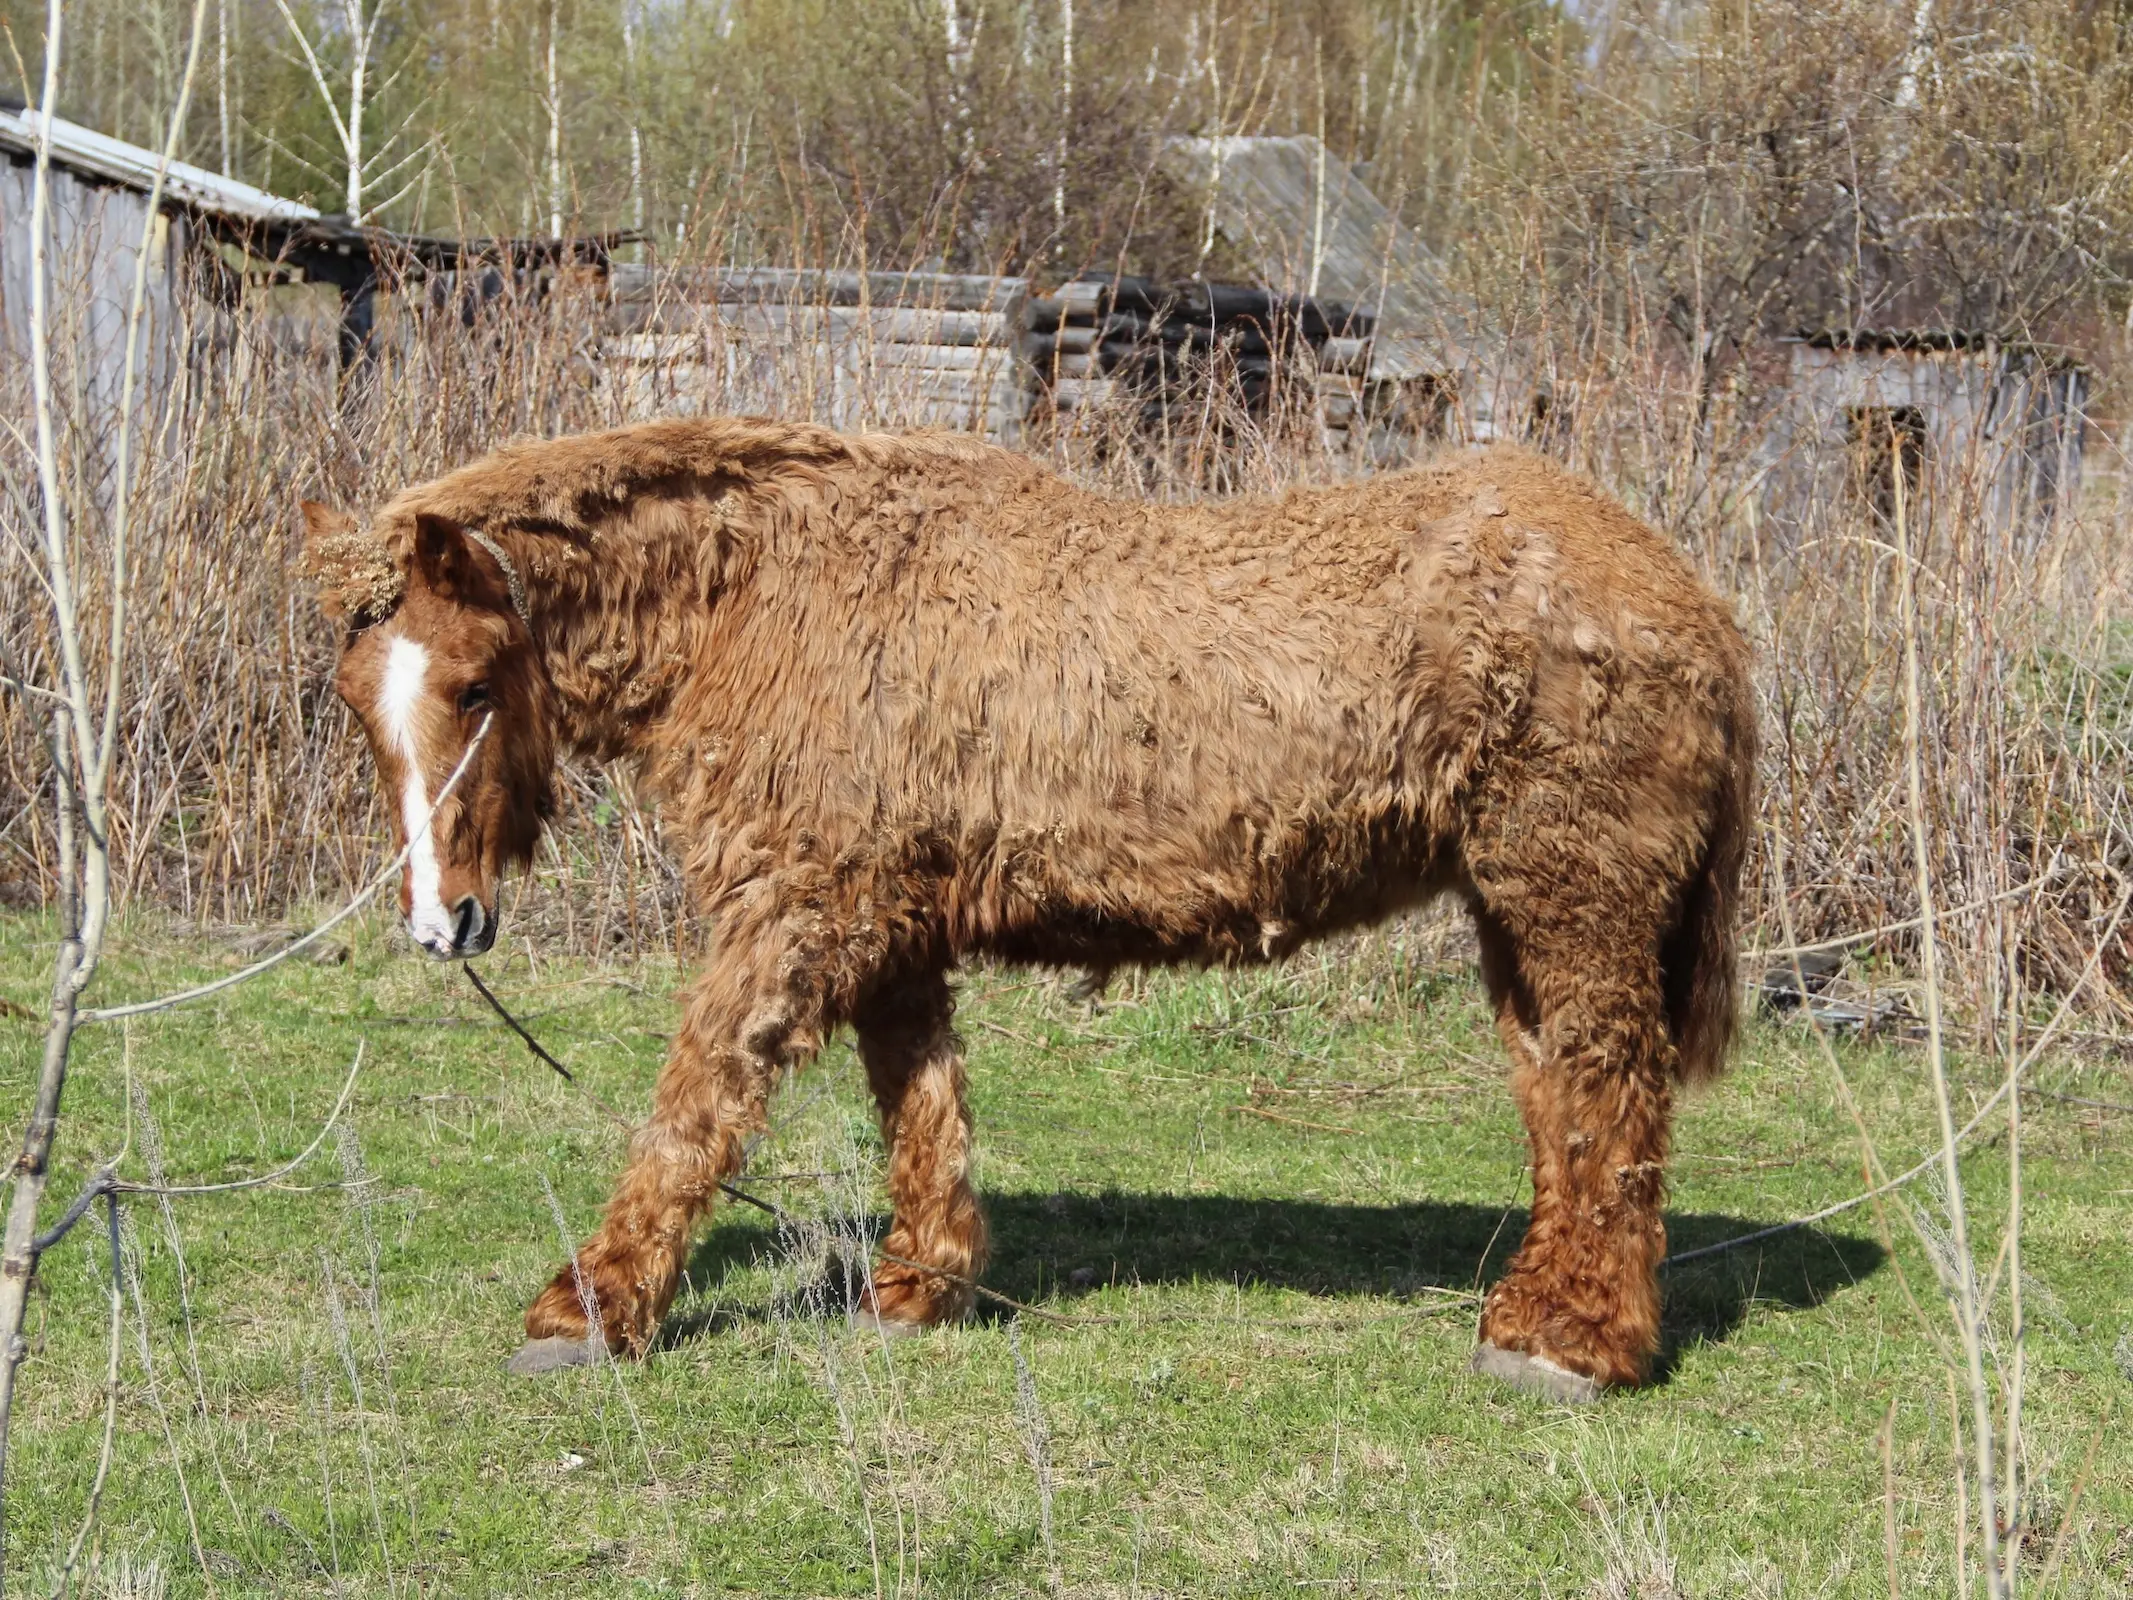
<point x="439" y="665"/>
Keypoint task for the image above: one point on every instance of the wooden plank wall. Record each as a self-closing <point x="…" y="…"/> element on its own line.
<point x="854" y="350"/>
<point x="97" y="231"/>
<point x="2002" y="430"/>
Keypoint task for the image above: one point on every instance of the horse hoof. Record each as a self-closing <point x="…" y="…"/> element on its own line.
<point x="536" y="1356"/>
<point x="887" y="1327"/>
<point x="1535" y="1375"/>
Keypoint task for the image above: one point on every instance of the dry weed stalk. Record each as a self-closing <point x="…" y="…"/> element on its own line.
<point x="1961" y="1271"/>
<point x="82" y="743"/>
<point x="600" y="1357"/>
<point x="238" y="788"/>
<point x="1037" y="1443"/>
<point x="116" y="1298"/>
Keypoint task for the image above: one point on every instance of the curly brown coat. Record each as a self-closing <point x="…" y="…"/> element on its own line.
<point x="914" y="698"/>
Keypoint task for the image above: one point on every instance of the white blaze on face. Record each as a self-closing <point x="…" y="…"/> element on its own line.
<point x="407" y="665"/>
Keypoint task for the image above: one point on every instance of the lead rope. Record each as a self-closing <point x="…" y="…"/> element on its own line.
<point x="533" y="1044"/>
<point x="771" y="1208"/>
<point x="617" y="1118"/>
<point x="1453" y="1299"/>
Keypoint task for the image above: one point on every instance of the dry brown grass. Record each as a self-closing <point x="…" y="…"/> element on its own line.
<point x="242" y="789"/>
<point x="2028" y="700"/>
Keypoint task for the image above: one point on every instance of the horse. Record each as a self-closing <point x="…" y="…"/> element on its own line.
<point x="912" y="699"/>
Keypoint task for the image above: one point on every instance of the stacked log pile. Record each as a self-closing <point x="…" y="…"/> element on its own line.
<point x="857" y="350"/>
<point x="1115" y="341"/>
<point x="883" y="349"/>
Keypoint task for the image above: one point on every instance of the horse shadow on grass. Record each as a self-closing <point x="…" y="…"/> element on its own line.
<point x="1051" y="1249"/>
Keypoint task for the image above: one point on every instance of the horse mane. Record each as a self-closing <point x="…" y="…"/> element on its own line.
<point x="609" y="530"/>
<point x="580" y="487"/>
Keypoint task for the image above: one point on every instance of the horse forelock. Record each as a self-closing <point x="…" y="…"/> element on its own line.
<point x="360" y="573"/>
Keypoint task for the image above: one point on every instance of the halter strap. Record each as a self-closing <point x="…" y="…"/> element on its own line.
<point x="517" y="584"/>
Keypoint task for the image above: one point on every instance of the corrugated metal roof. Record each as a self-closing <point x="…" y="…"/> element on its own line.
<point x="97" y="155"/>
<point x="1312" y="226"/>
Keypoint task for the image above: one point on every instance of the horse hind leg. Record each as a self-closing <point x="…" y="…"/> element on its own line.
<point x="936" y="1245"/>
<point x="1580" y="1008"/>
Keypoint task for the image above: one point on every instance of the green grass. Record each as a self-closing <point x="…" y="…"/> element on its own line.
<point x="1276" y="1403"/>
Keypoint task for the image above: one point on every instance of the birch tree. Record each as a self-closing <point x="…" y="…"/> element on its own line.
<point x="370" y="160"/>
<point x="552" y="100"/>
<point x="636" y="114"/>
<point x="83" y="705"/>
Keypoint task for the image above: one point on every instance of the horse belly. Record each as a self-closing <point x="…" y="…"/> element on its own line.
<point x="1137" y="880"/>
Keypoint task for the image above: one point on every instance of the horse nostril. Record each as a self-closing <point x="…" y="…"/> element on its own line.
<point x="466" y="922"/>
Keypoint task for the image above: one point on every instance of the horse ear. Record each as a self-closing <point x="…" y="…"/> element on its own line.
<point x="442" y="558"/>
<point x="357" y="580"/>
<point x="438" y="549"/>
<point x="323" y="522"/>
<point x="451" y="565"/>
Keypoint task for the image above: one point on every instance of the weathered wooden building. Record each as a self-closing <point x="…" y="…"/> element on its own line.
<point x="2000" y="421"/>
<point x="100" y="223"/>
<point x="210" y="241"/>
<point x="1940" y="417"/>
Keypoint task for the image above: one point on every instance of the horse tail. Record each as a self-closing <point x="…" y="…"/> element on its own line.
<point x="1699" y="962"/>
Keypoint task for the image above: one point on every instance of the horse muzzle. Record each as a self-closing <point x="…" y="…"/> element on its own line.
<point x="465" y="930"/>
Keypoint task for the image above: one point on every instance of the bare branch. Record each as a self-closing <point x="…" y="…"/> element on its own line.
<point x="391" y="870"/>
<point x="34" y="691"/>
<point x="318" y="73"/>
<point x="107" y="1181"/>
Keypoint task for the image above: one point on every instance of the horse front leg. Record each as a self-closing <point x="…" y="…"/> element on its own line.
<point x="758" y="1008"/>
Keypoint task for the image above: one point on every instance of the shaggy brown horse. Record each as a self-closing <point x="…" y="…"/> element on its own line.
<point x="915" y="698"/>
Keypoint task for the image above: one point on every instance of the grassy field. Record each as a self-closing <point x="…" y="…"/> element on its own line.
<point x="1265" y="1199"/>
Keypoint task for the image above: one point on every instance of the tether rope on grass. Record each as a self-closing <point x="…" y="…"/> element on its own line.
<point x="2012" y="1082"/>
<point x="1702" y="1252"/>
<point x="1451" y="1298"/>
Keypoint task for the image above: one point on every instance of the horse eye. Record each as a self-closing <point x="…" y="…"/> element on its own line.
<point x="473" y="697"/>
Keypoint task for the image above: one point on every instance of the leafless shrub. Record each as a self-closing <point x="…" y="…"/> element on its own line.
<point x="240" y="788"/>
